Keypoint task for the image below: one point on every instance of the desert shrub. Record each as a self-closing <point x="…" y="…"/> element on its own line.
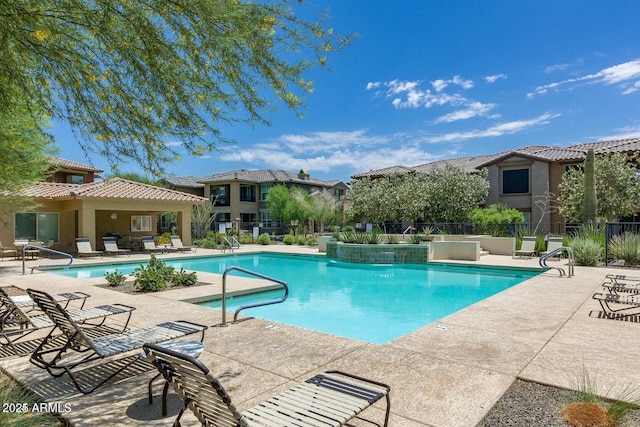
<point x="348" y="236"/>
<point x="392" y="239"/>
<point x="301" y="240"/>
<point x="427" y="230"/>
<point x="348" y="228"/>
<point x="153" y="277"/>
<point x="209" y="242"/>
<point x="374" y="238"/>
<point x="264" y="239"/>
<point x="289" y="239"/>
<point x="115" y="278"/>
<point x="415" y="239"/>
<point x="541" y="245"/>
<point x="245" y="239"/>
<point x="182" y="278"/>
<point x="625" y="247"/>
<point x="312" y="241"/>
<point x="586" y="251"/>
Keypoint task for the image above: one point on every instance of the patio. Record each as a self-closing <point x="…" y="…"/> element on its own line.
<point x="449" y="373"/>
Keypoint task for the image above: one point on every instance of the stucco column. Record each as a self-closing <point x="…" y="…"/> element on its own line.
<point x="87" y="224"/>
<point x="184" y="225"/>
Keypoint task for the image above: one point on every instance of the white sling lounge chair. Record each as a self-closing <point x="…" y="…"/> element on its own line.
<point x="176" y="242"/>
<point x="84" y="247"/>
<point x="111" y="246"/>
<point x="329" y="399"/>
<point x="80" y="349"/>
<point x="527" y="249"/>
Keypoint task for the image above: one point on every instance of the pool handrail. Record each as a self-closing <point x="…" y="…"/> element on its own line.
<point x="258" y="304"/>
<point x="40" y="248"/>
<point x="560" y="250"/>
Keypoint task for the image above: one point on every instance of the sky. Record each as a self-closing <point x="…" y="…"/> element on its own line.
<point x="427" y="80"/>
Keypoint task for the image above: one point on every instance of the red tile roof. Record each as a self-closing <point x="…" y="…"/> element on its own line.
<point x="114" y="188"/>
<point x="70" y="164"/>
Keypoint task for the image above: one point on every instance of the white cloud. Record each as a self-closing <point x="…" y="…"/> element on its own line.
<point x="474" y="109"/>
<point x="617" y="74"/>
<point x="373" y="85"/>
<point x="439" y="85"/>
<point x="632" y="88"/>
<point x="493" y="78"/>
<point x="559" y="67"/>
<point x="327" y="151"/>
<point x="506" y="128"/>
<point x="620" y="133"/>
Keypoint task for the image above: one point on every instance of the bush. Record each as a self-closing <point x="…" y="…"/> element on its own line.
<point x="209" y="242"/>
<point x="288" y="239"/>
<point x="415" y="239"/>
<point x="115" y="278"/>
<point x="182" y="278"/>
<point x="20" y="402"/>
<point x="264" y="239"/>
<point x="301" y="240"/>
<point x="392" y="239"/>
<point x="586" y="251"/>
<point x="374" y="238"/>
<point x="312" y="241"/>
<point x="153" y="277"/>
<point x="348" y="228"/>
<point x="625" y="247"/>
<point x="245" y="239"/>
<point x="165" y="239"/>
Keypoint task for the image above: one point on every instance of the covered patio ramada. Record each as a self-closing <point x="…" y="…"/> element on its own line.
<point x="113" y="207"/>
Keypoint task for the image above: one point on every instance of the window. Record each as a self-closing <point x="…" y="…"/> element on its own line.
<point x="264" y="189"/>
<point x="76" y="179"/>
<point x="515" y="181"/>
<point x="247" y="193"/>
<point x="36" y="226"/>
<point x="222" y="194"/>
<point x="265" y="219"/>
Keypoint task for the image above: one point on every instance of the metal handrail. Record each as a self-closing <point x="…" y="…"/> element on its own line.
<point x="570" y="258"/>
<point x="40" y="248"/>
<point x="405" y="231"/>
<point x="258" y="304"/>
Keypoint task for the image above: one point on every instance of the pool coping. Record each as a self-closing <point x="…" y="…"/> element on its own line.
<point x="445" y="374"/>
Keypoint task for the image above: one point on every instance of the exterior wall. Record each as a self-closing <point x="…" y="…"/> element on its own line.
<point x="377" y="254"/>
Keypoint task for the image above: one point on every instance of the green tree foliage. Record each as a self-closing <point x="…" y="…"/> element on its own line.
<point x="617" y="189"/>
<point x="292" y="205"/>
<point x="496" y="218"/>
<point x="446" y="194"/>
<point x="136" y="177"/>
<point x="24" y="149"/>
<point x="131" y="76"/>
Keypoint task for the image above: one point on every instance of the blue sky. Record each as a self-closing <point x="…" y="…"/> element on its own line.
<point x="428" y="80"/>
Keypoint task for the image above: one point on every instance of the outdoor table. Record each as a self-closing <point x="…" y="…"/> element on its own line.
<point x="190" y="348"/>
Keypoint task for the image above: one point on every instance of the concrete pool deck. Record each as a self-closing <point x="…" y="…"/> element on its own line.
<point x="446" y="374"/>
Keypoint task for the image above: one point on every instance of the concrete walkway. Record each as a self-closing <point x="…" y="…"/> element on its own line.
<point x="446" y="374"/>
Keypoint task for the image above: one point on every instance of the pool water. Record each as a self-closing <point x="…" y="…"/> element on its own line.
<point x="373" y="303"/>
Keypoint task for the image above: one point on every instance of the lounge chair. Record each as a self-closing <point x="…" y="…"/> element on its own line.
<point x="176" y="242"/>
<point x="150" y="245"/>
<point x="80" y="349"/>
<point x="16" y="322"/>
<point x="4" y="251"/>
<point x="553" y="244"/>
<point x="111" y="246"/>
<point x="527" y="249"/>
<point x="618" y="305"/>
<point x="85" y="249"/>
<point x="329" y="399"/>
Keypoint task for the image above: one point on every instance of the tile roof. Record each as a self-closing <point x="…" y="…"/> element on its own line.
<point x="70" y="164"/>
<point x="184" y="181"/>
<point x="265" y="176"/>
<point x="572" y="153"/>
<point x="114" y="188"/>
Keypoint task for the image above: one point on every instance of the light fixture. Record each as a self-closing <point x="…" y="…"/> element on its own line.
<point x="114" y="215"/>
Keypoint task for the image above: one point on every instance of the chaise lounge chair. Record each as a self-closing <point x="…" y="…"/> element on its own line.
<point x="16" y="322"/>
<point x="329" y="399"/>
<point x="150" y="245"/>
<point x="80" y="349"/>
<point x="616" y="306"/>
<point x="527" y="249"/>
<point x="176" y="242"/>
<point x="4" y="251"/>
<point x="553" y="244"/>
<point x="111" y="246"/>
<point x="84" y="247"/>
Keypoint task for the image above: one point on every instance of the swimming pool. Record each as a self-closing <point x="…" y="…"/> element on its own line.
<point x="373" y="303"/>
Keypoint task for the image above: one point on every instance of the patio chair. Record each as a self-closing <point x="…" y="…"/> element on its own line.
<point x="4" y="251"/>
<point x="553" y="244"/>
<point x="618" y="305"/>
<point x="150" y="245"/>
<point x="111" y="246"/>
<point x="79" y="348"/>
<point x="85" y="249"/>
<point x="329" y="399"/>
<point x="527" y="249"/>
<point x="176" y="242"/>
<point x="17" y="322"/>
